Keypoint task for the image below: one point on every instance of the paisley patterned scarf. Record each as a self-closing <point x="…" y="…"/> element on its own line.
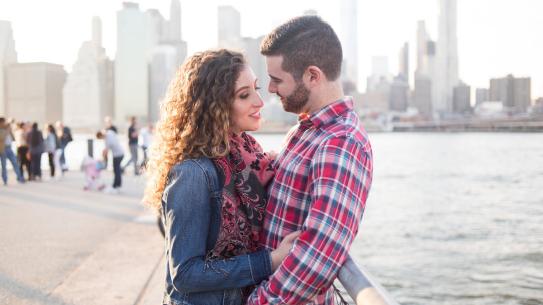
<point x="246" y="172"/>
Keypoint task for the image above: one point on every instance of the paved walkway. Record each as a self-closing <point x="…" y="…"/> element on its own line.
<point x="122" y="263"/>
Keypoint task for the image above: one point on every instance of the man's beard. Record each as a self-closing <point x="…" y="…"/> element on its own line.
<point x="296" y="101"/>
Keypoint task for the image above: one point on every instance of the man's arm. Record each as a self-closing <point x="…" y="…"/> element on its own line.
<point x="340" y="177"/>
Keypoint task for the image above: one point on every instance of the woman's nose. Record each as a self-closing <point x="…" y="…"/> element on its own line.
<point x="258" y="102"/>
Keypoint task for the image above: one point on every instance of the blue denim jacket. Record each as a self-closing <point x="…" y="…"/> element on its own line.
<point x="191" y="214"/>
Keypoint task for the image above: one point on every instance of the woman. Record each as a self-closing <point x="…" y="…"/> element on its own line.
<point x="21" y="134"/>
<point x="208" y="179"/>
<point x="35" y="148"/>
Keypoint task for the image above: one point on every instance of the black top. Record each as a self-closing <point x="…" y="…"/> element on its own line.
<point x="66" y="136"/>
<point x="132" y="135"/>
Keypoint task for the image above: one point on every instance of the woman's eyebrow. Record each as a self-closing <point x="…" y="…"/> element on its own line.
<point x="244" y="87"/>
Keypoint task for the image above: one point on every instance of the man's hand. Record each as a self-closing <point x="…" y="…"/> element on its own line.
<point x="279" y="254"/>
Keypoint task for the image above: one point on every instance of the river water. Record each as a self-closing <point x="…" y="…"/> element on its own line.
<point x="452" y="218"/>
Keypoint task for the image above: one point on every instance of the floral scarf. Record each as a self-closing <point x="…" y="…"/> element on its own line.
<point x="246" y="172"/>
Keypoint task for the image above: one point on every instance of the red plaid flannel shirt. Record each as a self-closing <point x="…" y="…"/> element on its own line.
<point x="323" y="177"/>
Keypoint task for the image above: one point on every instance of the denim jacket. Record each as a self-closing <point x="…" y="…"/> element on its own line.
<point x="191" y="214"/>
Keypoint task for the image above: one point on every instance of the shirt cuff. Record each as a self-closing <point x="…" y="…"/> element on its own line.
<point x="260" y="264"/>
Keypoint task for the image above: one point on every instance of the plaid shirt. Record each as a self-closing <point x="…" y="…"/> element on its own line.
<point x="322" y="181"/>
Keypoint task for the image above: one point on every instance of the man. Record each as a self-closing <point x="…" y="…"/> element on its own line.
<point x="112" y="143"/>
<point x="133" y="146"/>
<point x="8" y="151"/>
<point x="109" y="124"/>
<point x="323" y="175"/>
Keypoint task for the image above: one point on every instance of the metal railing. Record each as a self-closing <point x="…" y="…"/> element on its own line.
<point x="362" y="287"/>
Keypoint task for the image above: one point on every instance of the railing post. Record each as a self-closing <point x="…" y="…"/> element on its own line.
<point x="362" y="287"/>
<point x="90" y="147"/>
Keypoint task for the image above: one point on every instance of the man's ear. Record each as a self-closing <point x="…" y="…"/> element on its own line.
<point x="313" y="75"/>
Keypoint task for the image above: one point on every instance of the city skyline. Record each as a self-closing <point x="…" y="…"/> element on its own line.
<point x="488" y="47"/>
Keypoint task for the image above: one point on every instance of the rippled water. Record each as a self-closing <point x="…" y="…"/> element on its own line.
<point x="454" y="218"/>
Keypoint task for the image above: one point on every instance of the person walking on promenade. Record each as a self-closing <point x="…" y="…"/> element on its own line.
<point x="133" y="146"/>
<point x="64" y="135"/>
<point x="109" y="124"/>
<point x="3" y="137"/>
<point x="52" y="148"/>
<point x="146" y="136"/>
<point x="207" y="178"/>
<point x="323" y="174"/>
<point x="8" y="153"/>
<point x="112" y="143"/>
<point x="21" y="133"/>
<point x="35" y="149"/>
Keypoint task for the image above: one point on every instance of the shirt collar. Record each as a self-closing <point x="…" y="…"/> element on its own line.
<point x="326" y="114"/>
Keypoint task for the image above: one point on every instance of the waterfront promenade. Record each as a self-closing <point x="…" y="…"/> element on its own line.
<point x="62" y="245"/>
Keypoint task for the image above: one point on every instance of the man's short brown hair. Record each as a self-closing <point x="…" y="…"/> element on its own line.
<point x="305" y="41"/>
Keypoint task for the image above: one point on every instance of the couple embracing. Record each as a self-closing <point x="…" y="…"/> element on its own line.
<point x="243" y="226"/>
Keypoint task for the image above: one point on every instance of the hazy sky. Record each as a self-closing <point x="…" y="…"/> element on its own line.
<point x="495" y="37"/>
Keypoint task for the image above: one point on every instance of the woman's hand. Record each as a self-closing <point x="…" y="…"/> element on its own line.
<point x="272" y="154"/>
<point x="279" y="254"/>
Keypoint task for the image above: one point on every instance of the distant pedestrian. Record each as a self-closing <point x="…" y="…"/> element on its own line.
<point x="9" y="154"/>
<point x="65" y="136"/>
<point x="36" y="149"/>
<point x="109" y="124"/>
<point x="146" y="137"/>
<point x="22" y="148"/>
<point x="112" y="143"/>
<point x="3" y="137"/>
<point x="53" y="150"/>
<point x="133" y="146"/>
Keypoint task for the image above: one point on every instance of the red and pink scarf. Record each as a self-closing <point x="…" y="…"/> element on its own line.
<point x="246" y="172"/>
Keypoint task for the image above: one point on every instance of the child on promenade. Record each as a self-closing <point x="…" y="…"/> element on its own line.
<point x="92" y="169"/>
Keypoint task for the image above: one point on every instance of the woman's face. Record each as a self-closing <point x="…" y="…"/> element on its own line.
<point x="245" y="114"/>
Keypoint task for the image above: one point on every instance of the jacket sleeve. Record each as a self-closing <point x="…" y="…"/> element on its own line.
<point x="187" y="214"/>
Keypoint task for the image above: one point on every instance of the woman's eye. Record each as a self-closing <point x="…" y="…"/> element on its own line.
<point x="257" y="88"/>
<point x="244" y="96"/>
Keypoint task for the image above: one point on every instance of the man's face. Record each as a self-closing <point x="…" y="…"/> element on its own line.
<point x="294" y="94"/>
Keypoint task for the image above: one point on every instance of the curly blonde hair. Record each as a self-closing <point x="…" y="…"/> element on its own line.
<point x="195" y="117"/>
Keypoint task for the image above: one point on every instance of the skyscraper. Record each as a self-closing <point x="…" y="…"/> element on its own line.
<point x="349" y="40"/>
<point x="174" y="24"/>
<point x="481" y="95"/>
<point x="403" y="67"/>
<point x="229" y="28"/>
<point x="424" y="72"/>
<point x="379" y="72"/>
<point x="447" y="57"/>
<point x="162" y="68"/>
<point x="399" y="94"/>
<point x="88" y="92"/>
<point x="422" y="49"/>
<point x="131" y="61"/>
<point x="8" y="56"/>
<point x="251" y="49"/>
<point x="514" y="93"/>
<point x="165" y="57"/>
<point x="462" y="98"/>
